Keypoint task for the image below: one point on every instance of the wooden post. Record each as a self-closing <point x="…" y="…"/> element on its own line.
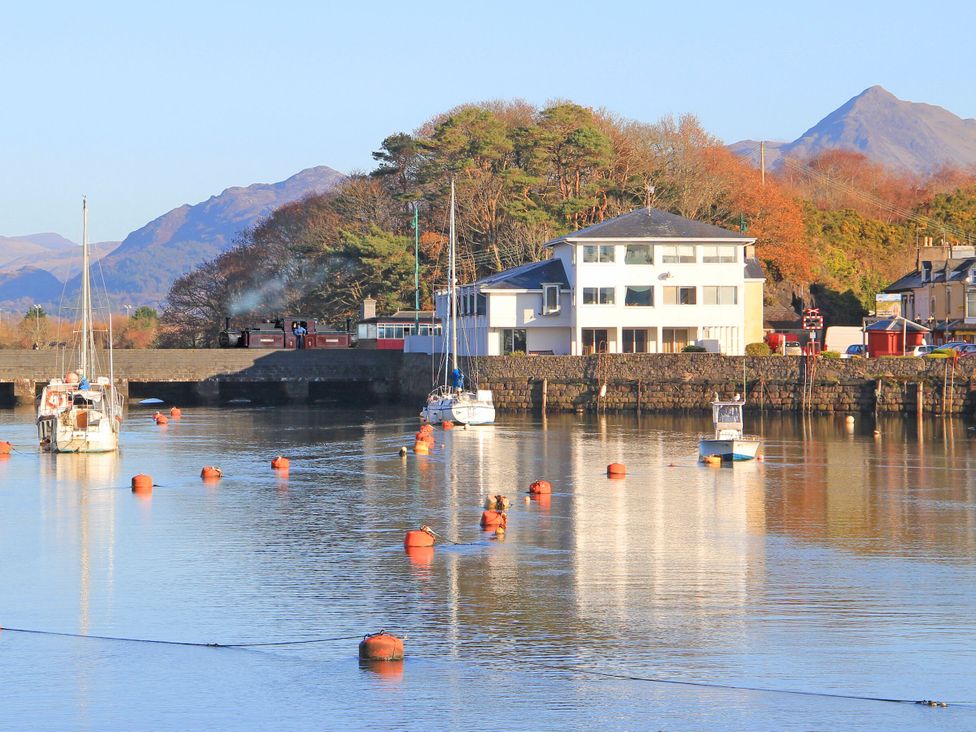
<point x="640" y="389"/>
<point x="545" y="395"/>
<point x="919" y="397"/>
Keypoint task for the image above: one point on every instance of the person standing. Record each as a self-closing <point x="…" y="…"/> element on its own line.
<point x="300" y="333"/>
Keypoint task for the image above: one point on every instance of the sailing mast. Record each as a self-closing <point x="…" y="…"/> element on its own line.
<point x="85" y="289"/>
<point x="452" y="286"/>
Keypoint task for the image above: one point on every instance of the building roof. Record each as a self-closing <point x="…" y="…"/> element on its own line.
<point x="958" y="271"/>
<point x="652" y="223"/>
<point x="780" y="317"/>
<point x="529" y="276"/>
<point x="896" y="325"/>
<point x="754" y="269"/>
<point x="402" y="316"/>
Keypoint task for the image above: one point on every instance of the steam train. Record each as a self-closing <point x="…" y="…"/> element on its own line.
<point x="280" y="333"/>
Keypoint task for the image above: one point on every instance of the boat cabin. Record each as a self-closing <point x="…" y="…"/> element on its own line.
<point x="727" y="417"/>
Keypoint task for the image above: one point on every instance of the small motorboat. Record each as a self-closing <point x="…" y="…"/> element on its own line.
<point x="728" y="442"/>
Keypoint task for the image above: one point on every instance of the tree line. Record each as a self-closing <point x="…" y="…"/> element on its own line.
<point x="837" y="224"/>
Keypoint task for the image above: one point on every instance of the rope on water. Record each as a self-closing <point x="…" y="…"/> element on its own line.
<point x="710" y="685"/>
<point x="179" y="643"/>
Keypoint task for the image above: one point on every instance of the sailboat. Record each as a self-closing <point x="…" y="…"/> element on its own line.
<point x="449" y="402"/>
<point x="83" y="411"/>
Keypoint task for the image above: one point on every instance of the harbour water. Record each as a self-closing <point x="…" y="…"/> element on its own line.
<point x="843" y="564"/>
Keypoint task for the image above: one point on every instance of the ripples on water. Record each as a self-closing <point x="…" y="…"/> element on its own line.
<point x="844" y="563"/>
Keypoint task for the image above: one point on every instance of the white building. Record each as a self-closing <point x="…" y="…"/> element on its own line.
<point x="644" y="282"/>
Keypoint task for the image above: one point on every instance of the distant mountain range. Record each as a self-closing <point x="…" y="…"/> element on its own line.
<point x="907" y="136"/>
<point x="140" y="270"/>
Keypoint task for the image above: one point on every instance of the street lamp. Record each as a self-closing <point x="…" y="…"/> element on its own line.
<point x="128" y="310"/>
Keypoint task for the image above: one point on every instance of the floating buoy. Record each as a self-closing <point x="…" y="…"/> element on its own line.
<point x="497" y="503"/>
<point x="616" y="469"/>
<point x="211" y="471"/>
<point x="142" y="484"/>
<point x="528" y="499"/>
<point x="161" y="420"/>
<point x="280" y="463"/>
<point x="421" y="447"/>
<point x="403" y="452"/>
<point x="447" y="425"/>
<point x="540" y="486"/>
<point x="427" y="428"/>
<point x="420" y="537"/>
<point x="491" y="519"/>
<point x="176" y="413"/>
<point x="712" y="459"/>
<point x="849" y="419"/>
<point x="5" y="448"/>
<point x="381" y="646"/>
<point x="500" y="531"/>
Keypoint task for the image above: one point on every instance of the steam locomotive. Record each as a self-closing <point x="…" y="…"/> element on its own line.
<point x="280" y="333"/>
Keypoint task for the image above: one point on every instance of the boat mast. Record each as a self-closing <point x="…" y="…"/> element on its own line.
<point x="85" y="289"/>
<point x="452" y="287"/>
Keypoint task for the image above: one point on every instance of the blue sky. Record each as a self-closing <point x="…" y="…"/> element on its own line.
<point x="145" y="106"/>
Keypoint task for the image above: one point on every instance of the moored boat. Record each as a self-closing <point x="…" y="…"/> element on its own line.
<point x="728" y="442"/>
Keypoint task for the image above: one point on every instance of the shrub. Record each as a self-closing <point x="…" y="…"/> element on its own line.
<point x="757" y="349"/>
<point x="830" y="354"/>
<point x="693" y="349"/>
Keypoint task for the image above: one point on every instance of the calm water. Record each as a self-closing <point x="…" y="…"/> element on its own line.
<point x="845" y="563"/>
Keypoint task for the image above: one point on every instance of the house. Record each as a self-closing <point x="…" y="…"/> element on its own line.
<point x="941" y="292"/>
<point x="894" y="336"/>
<point x="387" y="332"/>
<point x="644" y="282"/>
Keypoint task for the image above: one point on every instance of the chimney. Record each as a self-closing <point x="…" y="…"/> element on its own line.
<point x="368" y="309"/>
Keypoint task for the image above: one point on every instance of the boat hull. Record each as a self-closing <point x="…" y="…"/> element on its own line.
<point x="77" y="431"/>
<point x="462" y="412"/>
<point x="734" y="450"/>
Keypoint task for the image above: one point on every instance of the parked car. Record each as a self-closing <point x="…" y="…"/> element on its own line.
<point x="792" y="348"/>
<point x="920" y="351"/>
<point x="955" y="345"/>
<point x="967" y="351"/>
<point x="855" y="350"/>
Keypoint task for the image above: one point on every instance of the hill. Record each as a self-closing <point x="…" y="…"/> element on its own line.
<point x="907" y="136"/>
<point x="142" y="268"/>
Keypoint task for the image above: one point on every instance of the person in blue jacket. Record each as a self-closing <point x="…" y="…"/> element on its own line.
<point x="457" y="380"/>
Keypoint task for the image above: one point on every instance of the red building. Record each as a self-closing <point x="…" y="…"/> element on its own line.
<point x="894" y="336"/>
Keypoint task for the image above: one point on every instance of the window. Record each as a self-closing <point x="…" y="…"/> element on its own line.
<point x="674" y="339"/>
<point x="639" y="296"/>
<point x="971" y="303"/>
<point x="635" y="340"/>
<point x="720" y="295"/>
<point x="594" y="253"/>
<point x="595" y="340"/>
<point x="513" y="340"/>
<point x="598" y="296"/>
<point x="550" y="299"/>
<point x="680" y="296"/>
<point x="948" y="304"/>
<point x="722" y="254"/>
<point x="678" y="254"/>
<point x="638" y="254"/>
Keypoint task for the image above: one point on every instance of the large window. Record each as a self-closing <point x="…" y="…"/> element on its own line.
<point x="719" y="295"/>
<point x="678" y="254"/>
<point x="550" y="299"/>
<point x="718" y="254"/>
<point x="638" y="254"/>
<point x="680" y="296"/>
<point x="673" y="340"/>
<point x="513" y="341"/>
<point x="598" y="253"/>
<point x="639" y="296"/>
<point x="598" y="296"/>
<point x="595" y="340"/>
<point x="635" y="340"/>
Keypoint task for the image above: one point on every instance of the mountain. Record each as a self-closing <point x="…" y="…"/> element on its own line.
<point x="908" y="136"/>
<point x="142" y="268"/>
<point x="21" y="289"/>
<point x="31" y="245"/>
<point x="62" y="262"/>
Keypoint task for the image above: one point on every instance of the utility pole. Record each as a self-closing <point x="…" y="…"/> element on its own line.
<point x="762" y="160"/>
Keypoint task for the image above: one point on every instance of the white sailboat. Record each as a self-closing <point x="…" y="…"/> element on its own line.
<point x="449" y="402"/>
<point x="728" y="442"/>
<point x="83" y="411"/>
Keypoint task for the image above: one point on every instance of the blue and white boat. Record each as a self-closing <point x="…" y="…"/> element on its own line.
<point x="728" y="442"/>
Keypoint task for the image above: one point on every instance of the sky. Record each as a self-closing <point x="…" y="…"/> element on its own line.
<point x="146" y="106"/>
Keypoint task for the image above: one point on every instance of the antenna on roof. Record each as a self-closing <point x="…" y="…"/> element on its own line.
<point x="649" y="197"/>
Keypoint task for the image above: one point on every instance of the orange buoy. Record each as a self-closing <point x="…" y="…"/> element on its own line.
<point x="176" y="413"/>
<point x="427" y="427"/>
<point x="540" y="486"/>
<point x="421" y="447"/>
<point x="381" y="646"/>
<point x="211" y="471"/>
<point x="420" y="537"/>
<point x="280" y="463"/>
<point x="491" y="519"/>
<point x="142" y="483"/>
<point x="447" y="424"/>
<point x="616" y="469"/>
<point x="161" y="420"/>
<point x="5" y="448"/>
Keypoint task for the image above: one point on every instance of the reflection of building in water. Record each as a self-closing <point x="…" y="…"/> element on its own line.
<point x="81" y="490"/>
<point x="666" y="541"/>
